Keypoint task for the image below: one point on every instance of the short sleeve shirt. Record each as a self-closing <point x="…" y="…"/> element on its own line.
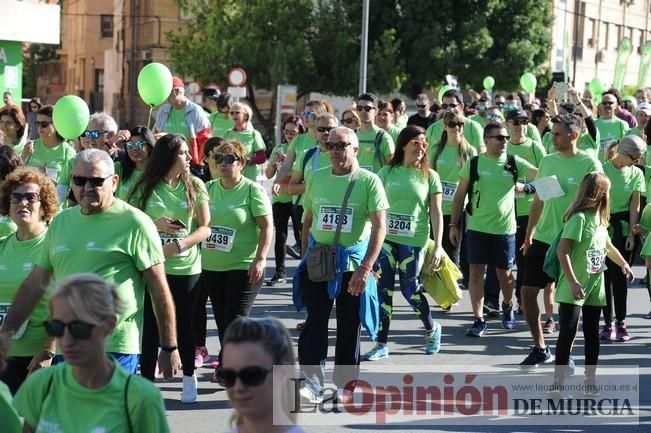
<point x="623" y="183"/>
<point x="448" y="166"/>
<point x="57" y="162"/>
<point x="532" y="152"/>
<point x="253" y="143"/>
<point x="472" y="131"/>
<point x="369" y="157"/>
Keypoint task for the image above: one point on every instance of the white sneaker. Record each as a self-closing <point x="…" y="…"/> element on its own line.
<point x="308" y="395"/>
<point x="189" y="394"/>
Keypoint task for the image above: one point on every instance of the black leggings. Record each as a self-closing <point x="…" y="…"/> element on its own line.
<point x="184" y="290"/>
<point x="282" y="212"/>
<point x="200" y="317"/>
<point x="16" y="372"/>
<point x="614" y="279"/>
<point x="568" y="319"/>
<point x="231" y="297"/>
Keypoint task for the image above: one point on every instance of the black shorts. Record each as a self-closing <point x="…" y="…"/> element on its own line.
<point x="534" y="276"/>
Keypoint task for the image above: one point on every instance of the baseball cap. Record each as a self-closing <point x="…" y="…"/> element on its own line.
<point x="646" y="107"/>
<point x="516" y="114"/>
<point x="177" y="82"/>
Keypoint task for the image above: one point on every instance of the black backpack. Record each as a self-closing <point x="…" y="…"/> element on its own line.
<point x="474" y="177"/>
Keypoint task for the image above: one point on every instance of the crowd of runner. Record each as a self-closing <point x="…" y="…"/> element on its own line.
<point x="115" y="241"/>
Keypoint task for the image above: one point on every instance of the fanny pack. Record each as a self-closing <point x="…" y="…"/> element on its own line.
<point x="321" y="260"/>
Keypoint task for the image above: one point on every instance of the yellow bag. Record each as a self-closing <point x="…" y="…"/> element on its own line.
<point x="441" y="283"/>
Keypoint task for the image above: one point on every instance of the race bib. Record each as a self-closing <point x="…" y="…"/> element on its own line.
<point x="596" y="259"/>
<point x="400" y="225"/>
<point x="167" y="238"/>
<point x="329" y="217"/>
<point x="220" y="239"/>
<point x="4" y="309"/>
<point x="449" y="189"/>
<point x="604" y="143"/>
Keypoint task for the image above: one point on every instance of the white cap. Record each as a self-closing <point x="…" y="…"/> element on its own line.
<point x="644" y="107"/>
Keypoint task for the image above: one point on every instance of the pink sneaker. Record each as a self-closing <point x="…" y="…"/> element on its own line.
<point x="198" y="358"/>
<point x="607" y="333"/>
<point x="622" y="334"/>
<point x="204" y="351"/>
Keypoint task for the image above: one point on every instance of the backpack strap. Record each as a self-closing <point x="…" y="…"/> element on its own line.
<point x="474" y="177"/>
<point x="376" y="149"/>
<point x="126" y="403"/>
<point x="511" y="167"/>
<point x="309" y="154"/>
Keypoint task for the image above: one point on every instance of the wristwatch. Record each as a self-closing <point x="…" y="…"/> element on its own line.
<point x="168" y="349"/>
<point x="49" y="354"/>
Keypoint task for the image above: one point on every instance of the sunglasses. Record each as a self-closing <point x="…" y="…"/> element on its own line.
<point x="633" y="160"/>
<point x="95" y="182"/>
<point x="250" y="376"/>
<point x="520" y="122"/>
<point x="78" y="329"/>
<point x="226" y="159"/>
<point x="31" y="197"/>
<point x="366" y="108"/>
<point x="500" y="137"/>
<point x="348" y="121"/>
<point x="44" y="124"/>
<point x="135" y="145"/>
<point x="447" y="106"/>
<point x="235" y="112"/>
<point x="455" y="124"/>
<point x="307" y="114"/>
<point x="290" y="132"/>
<point x="340" y="145"/>
<point x="492" y="116"/>
<point x="92" y="134"/>
<point x="323" y="129"/>
<point x="607" y="102"/>
<point x="421" y="106"/>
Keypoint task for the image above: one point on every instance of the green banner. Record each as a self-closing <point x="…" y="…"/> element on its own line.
<point x="623" y="53"/>
<point x="645" y="59"/>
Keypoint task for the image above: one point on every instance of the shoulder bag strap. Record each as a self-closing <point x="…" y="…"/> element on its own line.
<point x="342" y="211"/>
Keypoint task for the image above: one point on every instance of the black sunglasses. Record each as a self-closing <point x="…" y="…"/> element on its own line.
<point x="421" y="106"/>
<point x="92" y="134"/>
<point x="325" y="128"/>
<point x="340" y="145"/>
<point x="455" y="124"/>
<point x="225" y="159"/>
<point x="78" y="329"/>
<point x="31" y="197"/>
<point x="366" y="108"/>
<point x="500" y="137"/>
<point x="250" y="376"/>
<point x="95" y="182"/>
<point x="347" y="121"/>
<point x="44" y="123"/>
<point x="446" y="106"/>
<point x="520" y="122"/>
<point x="607" y="102"/>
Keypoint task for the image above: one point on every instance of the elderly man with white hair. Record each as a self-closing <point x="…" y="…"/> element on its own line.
<point x="344" y="226"/>
<point x="103" y="133"/>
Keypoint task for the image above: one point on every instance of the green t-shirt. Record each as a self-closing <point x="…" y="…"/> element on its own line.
<point x="69" y="406"/>
<point x="533" y="133"/>
<point x="367" y="156"/>
<point x="588" y="259"/>
<point x="219" y="125"/>
<point x="394" y="131"/>
<point x="646" y="248"/>
<point x="57" y="162"/>
<point x="234" y="237"/>
<point x="7" y="226"/>
<point x="645" y="218"/>
<point x="493" y="200"/>
<point x="124" y="186"/>
<point x="569" y="172"/>
<point x="171" y="202"/>
<point x="448" y="166"/>
<point x="11" y="423"/>
<point x="472" y="131"/>
<point x="401" y="122"/>
<point x="317" y="160"/>
<point x="281" y="198"/>
<point x="324" y="195"/>
<point x="253" y="143"/>
<point x="408" y="192"/>
<point x="176" y="124"/>
<point x="532" y="152"/>
<point x="585" y="143"/>
<point x="16" y="263"/>
<point x="301" y="144"/>
<point x="623" y="182"/>
<point x="634" y="131"/>
<point x="610" y="130"/>
<point x="117" y="244"/>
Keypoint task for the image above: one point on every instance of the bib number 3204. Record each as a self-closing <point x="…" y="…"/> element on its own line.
<point x="329" y="218"/>
<point x="400" y="225"/>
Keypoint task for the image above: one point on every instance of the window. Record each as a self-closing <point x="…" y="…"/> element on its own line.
<point x="99" y="80"/>
<point x="106" y="26"/>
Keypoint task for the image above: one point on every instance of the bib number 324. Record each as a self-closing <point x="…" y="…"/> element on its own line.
<point x="596" y="259"/>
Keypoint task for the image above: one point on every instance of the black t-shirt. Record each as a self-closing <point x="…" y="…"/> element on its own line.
<point x="423" y="122"/>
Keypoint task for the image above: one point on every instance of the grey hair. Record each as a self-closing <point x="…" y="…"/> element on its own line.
<point x="108" y="123"/>
<point x="631" y="145"/>
<point x="352" y="137"/>
<point x="327" y="115"/>
<point x="92" y="156"/>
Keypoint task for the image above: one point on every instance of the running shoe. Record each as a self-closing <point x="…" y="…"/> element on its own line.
<point x="294" y="252"/>
<point x="478" y="328"/>
<point x="198" y="357"/>
<point x="590" y="387"/>
<point x="433" y="340"/>
<point x="537" y="356"/>
<point x="380" y="351"/>
<point x="621" y="334"/>
<point x="491" y="309"/>
<point x="549" y="326"/>
<point x="607" y="333"/>
<point x="278" y="278"/>
<point x="189" y="393"/>
<point x="310" y="396"/>
<point x="518" y="310"/>
<point x="508" y="316"/>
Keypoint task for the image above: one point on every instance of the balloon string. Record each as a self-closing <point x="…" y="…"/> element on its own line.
<point x="151" y="107"/>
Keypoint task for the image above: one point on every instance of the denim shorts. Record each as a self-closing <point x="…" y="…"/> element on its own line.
<point x="490" y="249"/>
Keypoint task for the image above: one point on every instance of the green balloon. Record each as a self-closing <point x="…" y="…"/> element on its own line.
<point x="443" y="90"/>
<point x="70" y="116"/>
<point x="154" y="83"/>
<point x="489" y="82"/>
<point x="528" y="82"/>
<point x="596" y="87"/>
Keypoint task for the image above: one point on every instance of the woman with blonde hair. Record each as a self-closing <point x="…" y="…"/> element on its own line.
<point x="89" y="391"/>
<point x="263" y="399"/>
<point x="350" y="118"/>
<point x="243" y="131"/>
<point x="582" y="250"/>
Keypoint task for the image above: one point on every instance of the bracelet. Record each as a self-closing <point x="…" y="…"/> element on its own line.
<point x="178" y="245"/>
<point x="366" y="268"/>
<point x="49" y="353"/>
<point x="168" y="349"/>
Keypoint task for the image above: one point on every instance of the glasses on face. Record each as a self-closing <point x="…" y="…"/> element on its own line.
<point x="307" y="114"/>
<point x="421" y="105"/>
<point x="520" y="122"/>
<point x="93" y="134"/>
<point x="634" y="160"/>
<point x="135" y="145"/>
<point x="366" y="108"/>
<point x="235" y="112"/>
<point x="482" y="108"/>
<point x="339" y="145"/>
<point x="7" y="123"/>
<point x="226" y="159"/>
<point x="492" y="116"/>
<point x="449" y="106"/>
<point x="250" y="376"/>
<point x="95" y="182"/>
<point x="607" y="102"/>
<point x="78" y="329"/>
<point x="323" y="129"/>
<point x="499" y="103"/>
<point x="290" y="132"/>
<point x="33" y="107"/>
<point x="453" y="125"/>
<point x="500" y="137"/>
<point x="31" y="197"/>
<point x="44" y="124"/>
<point x="348" y="121"/>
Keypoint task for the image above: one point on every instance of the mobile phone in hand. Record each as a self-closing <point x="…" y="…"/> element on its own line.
<point x="178" y="222"/>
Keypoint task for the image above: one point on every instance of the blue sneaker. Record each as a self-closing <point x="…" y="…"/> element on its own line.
<point x="433" y="340"/>
<point x="380" y="351"/>
<point x="478" y="328"/>
<point x="508" y="316"/>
